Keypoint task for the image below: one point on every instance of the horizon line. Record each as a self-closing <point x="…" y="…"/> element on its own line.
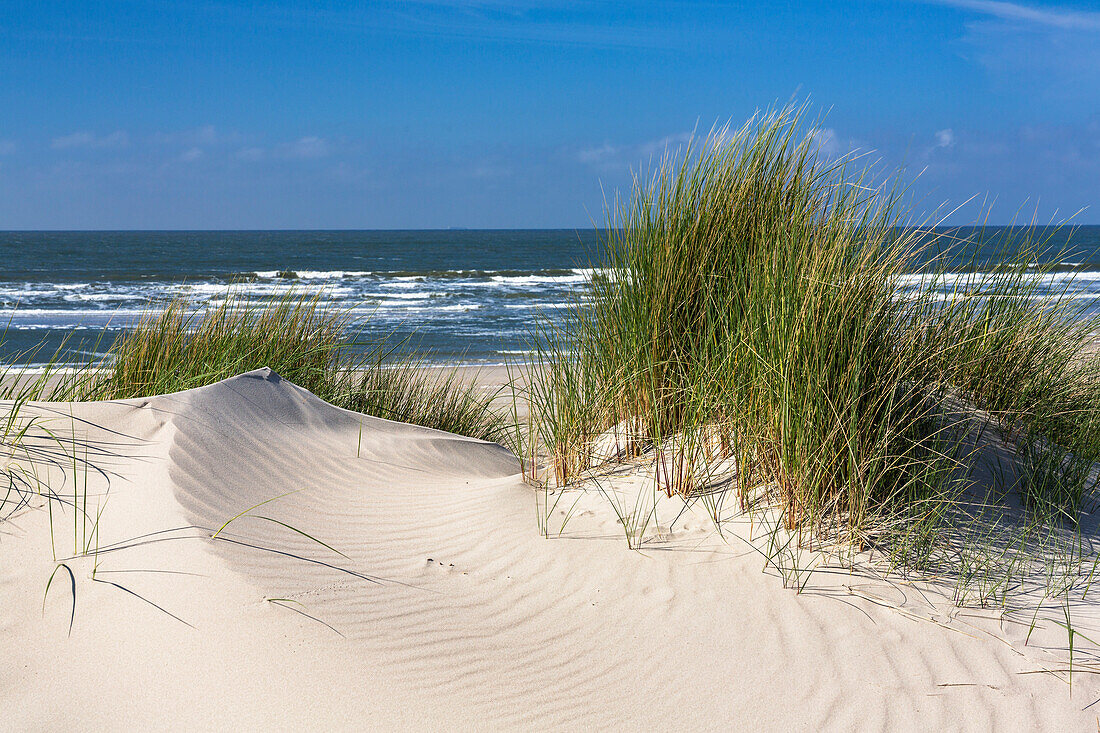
<point x="475" y="229"/>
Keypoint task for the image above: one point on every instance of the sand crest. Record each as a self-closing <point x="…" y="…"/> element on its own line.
<point x="250" y="556"/>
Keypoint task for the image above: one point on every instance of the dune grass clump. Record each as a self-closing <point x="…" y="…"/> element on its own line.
<point x="409" y="390"/>
<point x="751" y="313"/>
<point x="1024" y="353"/>
<point x="180" y="346"/>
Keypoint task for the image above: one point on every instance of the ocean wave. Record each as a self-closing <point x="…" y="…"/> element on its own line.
<point x="574" y="274"/>
<point x="281" y="280"/>
<point x="539" y="279"/>
<point x="74" y="326"/>
<point x="280" y="288"/>
<point x="419" y="308"/>
<point x="103" y="297"/>
<point x="978" y="279"/>
<point x="534" y="306"/>
<point x="420" y="295"/>
<point x="311" y="274"/>
<point x="28" y="292"/>
<point x="19" y="313"/>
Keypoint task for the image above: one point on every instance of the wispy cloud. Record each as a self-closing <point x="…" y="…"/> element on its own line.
<point x="7" y="147"/>
<point x="310" y="147"/>
<point x="251" y="154"/>
<point x="825" y="141"/>
<point x="667" y="143"/>
<point x="598" y="153"/>
<point x="490" y="170"/>
<point x="831" y="145"/>
<point x="88" y="140"/>
<point x="1047" y="51"/>
<point x="942" y="141"/>
<point x="609" y="155"/>
<point x="304" y="148"/>
<point x="202" y="137"/>
<point x="556" y="22"/>
<point x="1080" y="20"/>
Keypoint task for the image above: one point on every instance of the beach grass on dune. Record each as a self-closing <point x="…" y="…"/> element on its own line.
<point x="751" y="312"/>
<point x="179" y="346"/>
<point x="410" y="390"/>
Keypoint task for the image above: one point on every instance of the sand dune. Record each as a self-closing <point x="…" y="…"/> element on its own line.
<point x="380" y="575"/>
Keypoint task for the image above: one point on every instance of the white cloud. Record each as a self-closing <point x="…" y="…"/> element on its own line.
<point x="251" y="154"/>
<point x="1052" y="17"/>
<point x="310" y="147"/>
<point x="203" y="136"/>
<point x="941" y="140"/>
<point x="597" y="154"/>
<point x="117" y="139"/>
<point x="76" y="140"/>
<point x="824" y="139"/>
<point x="613" y="155"/>
<point x="206" y="135"/>
<point x="832" y="146"/>
<point x="305" y="148"/>
<point x="668" y="143"/>
<point x="490" y="170"/>
<point x="1044" y="52"/>
<point x="191" y="154"/>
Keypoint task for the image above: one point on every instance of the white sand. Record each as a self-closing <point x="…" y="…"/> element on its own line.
<point x="450" y="609"/>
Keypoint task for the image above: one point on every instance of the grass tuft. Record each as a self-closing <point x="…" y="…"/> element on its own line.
<point x="180" y="347"/>
<point x="752" y="312"/>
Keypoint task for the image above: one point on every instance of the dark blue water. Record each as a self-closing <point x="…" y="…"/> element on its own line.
<point x="469" y="295"/>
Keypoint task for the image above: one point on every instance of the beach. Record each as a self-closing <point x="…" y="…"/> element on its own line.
<point x="244" y="554"/>
<point x="415" y="591"/>
<point x="466" y="365"/>
<point x="752" y="466"/>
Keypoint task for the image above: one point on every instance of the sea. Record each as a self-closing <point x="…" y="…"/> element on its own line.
<point x="468" y="296"/>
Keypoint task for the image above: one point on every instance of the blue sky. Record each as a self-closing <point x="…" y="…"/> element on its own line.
<point x="518" y="114"/>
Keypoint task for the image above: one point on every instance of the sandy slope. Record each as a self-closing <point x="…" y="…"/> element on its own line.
<point x="449" y="608"/>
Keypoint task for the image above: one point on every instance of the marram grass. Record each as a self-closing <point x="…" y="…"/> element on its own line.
<point x="751" y="313"/>
<point x="179" y="347"/>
